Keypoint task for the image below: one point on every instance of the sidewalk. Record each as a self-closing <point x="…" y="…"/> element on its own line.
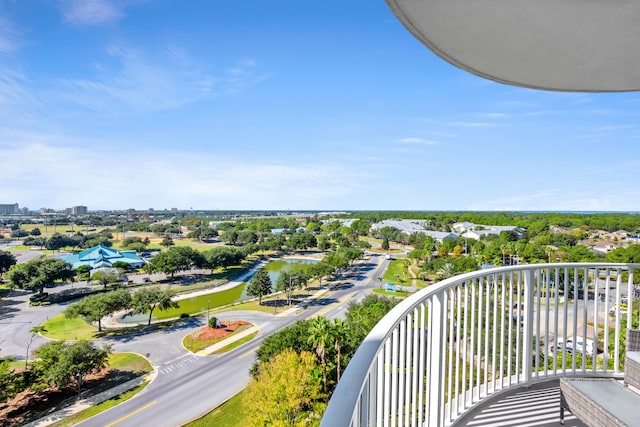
<point x="90" y="401"/>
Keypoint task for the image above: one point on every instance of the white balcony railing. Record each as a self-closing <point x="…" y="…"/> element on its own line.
<point x="439" y="353"/>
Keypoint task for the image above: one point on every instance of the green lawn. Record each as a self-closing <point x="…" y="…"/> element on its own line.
<point x="199" y="304"/>
<point x="396" y="266"/>
<point x="229" y="414"/>
<point x="130" y="362"/>
<point x="61" y="328"/>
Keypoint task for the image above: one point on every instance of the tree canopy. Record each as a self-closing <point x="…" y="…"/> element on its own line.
<point x="38" y="273"/>
<point x="66" y="363"/>
<point x="260" y="285"/>
<point x="6" y="261"/>
<point x="96" y="307"/>
<point x="148" y="299"/>
<point x="285" y="392"/>
<point x="176" y="259"/>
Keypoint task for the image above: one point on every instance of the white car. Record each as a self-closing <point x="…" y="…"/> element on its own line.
<point x="572" y="346"/>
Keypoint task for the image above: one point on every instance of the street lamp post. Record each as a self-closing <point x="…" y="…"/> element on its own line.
<point x="79" y="381"/>
<point x="208" y="304"/>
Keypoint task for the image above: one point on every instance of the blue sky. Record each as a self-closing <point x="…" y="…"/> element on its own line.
<point x="209" y="104"/>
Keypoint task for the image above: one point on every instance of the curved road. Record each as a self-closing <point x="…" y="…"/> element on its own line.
<point x="188" y="386"/>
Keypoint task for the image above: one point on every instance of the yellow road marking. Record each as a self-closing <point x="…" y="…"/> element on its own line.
<point x="245" y="354"/>
<point x="131" y="414"/>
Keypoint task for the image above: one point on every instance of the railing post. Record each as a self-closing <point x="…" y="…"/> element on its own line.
<point x="436" y="376"/>
<point x="527" y="353"/>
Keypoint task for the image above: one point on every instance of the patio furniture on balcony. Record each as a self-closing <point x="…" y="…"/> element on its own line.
<point x="632" y="359"/>
<point x="440" y="355"/>
<point x="599" y="402"/>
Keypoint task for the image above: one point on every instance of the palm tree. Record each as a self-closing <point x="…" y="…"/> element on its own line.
<point x="339" y="335"/>
<point x="319" y="336"/>
<point x="447" y="270"/>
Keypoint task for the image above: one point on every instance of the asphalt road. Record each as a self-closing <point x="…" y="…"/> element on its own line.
<point x="187" y="386"/>
<point x="16" y="319"/>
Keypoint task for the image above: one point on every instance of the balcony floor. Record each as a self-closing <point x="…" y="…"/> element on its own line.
<point x="537" y="406"/>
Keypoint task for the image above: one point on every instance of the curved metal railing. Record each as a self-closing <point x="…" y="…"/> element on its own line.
<point x="439" y="353"/>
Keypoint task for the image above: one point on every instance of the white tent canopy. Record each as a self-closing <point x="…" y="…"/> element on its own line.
<point x="563" y="45"/>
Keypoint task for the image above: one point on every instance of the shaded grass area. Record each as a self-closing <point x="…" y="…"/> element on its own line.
<point x="195" y="345"/>
<point x="60" y="328"/>
<point x="229" y="414"/>
<point x="101" y="407"/>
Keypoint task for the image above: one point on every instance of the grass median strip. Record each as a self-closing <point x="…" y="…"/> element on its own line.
<point x="236" y="343"/>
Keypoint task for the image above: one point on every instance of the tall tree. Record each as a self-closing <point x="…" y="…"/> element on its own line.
<point x="96" y="307"/>
<point x="34" y="333"/>
<point x="175" y="259"/>
<point x="339" y="330"/>
<point x="148" y="299"/>
<point x="6" y="261"/>
<point x="260" y="285"/>
<point x="285" y="392"/>
<point x="320" y="336"/>
<point x="289" y="281"/>
<point x="104" y="277"/>
<point x="63" y="363"/>
<point x="167" y="242"/>
<point x="57" y="242"/>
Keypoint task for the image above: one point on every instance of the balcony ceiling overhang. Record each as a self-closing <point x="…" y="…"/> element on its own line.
<point x="561" y="45"/>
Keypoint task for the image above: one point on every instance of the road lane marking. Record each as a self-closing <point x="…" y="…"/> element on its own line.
<point x="131" y="414"/>
<point x="246" y="354"/>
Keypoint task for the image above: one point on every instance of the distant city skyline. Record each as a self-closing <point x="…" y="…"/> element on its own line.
<point x="252" y="105"/>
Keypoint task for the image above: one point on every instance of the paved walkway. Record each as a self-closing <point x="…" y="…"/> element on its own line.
<point x="90" y="401"/>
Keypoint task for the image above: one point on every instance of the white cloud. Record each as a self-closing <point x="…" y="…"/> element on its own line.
<point x="18" y="102"/>
<point x="474" y="124"/>
<point x="493" y="115"/>
<point x="46" y="173"/>
<point x="136" y="82"/>
<point x="416" y="141"/>
<point x="90" y="12"/>
<point x="10" y="36"/>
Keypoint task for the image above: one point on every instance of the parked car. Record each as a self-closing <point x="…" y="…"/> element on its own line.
<point x="623" y="308"/>
<point x="572" y="346"/>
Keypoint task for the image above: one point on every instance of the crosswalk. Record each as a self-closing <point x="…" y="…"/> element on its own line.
<point x="178" y="363"/>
